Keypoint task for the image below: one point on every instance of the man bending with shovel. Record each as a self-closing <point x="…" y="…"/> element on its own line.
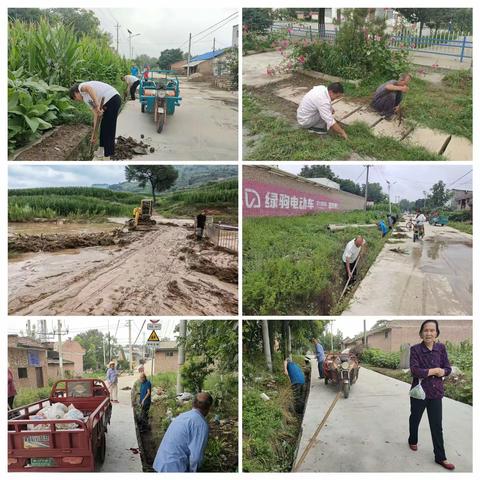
<point x="105" y="102"/>
<point x="350" y="257"/>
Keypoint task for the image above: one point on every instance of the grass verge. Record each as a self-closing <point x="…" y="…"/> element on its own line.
<point x="270" y="428"/>
<point x="293" y="265"/>
<point x="273" y="137"/>
<point x="462" y="226"/>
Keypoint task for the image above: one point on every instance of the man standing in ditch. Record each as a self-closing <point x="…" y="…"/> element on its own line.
<point x="297" y="379"/>
<point x="386" y="99"/>
<point x="145" y="401"/>
<point x="351" y="255"/>
<point x="185" y="440"/>
<point x="315" y="111"/>
<point x="320" y="354"/>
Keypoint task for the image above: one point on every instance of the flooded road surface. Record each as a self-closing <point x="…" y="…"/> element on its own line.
<point x="161" y="273"/>
<point x="38" y="228"/>
<point x="429" y="277"/>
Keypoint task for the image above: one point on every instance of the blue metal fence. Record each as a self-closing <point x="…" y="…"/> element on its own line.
<point x="443" y="43"/>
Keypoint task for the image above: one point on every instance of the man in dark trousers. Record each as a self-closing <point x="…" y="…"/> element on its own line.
<point x="145" y="401"/>
<point x="201" y="221"/>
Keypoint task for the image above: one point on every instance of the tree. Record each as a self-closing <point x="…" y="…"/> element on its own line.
<point x="94" y="342"/>
<point x="317" y="171"/>
<point x="168" y="57"/>
<point x="349" y="186"/>
<point x="417" y="15"/>
<point x="375" y="193"/>
<point x="405" y="204"/>
<point x="439" y="195"/>
<point x="159" y="177"/>
<point x="143" y="60"/>
<point x="257" y="19"/>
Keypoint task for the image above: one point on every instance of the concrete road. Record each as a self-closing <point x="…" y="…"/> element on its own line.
<point x="431" y="277"/>
<point x="204" y="127"/>
<point x="368" y="432"/>
<point x="255" y="69"/>
<point x="121" y="436"/>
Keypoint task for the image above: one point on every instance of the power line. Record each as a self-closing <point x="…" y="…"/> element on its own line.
<point x="215" y="24"/>
<point x="453" y="183"/>
<point x="210" y="33"/>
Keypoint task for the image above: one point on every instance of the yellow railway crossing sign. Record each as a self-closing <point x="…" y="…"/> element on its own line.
<point x="153" y="338"/>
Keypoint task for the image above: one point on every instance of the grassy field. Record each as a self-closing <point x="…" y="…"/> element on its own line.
<point x="270" y="429"/>
<point x="293" y="265"/>
<point x="464" y="227"/>
<point x="77" y="203"/>
<point x="274" y="137"/>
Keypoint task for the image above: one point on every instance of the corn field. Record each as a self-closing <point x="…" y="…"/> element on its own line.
<point x="44" y="59"/>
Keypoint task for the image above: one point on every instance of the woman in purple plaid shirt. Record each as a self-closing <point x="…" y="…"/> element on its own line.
<point x="429" y="362"/>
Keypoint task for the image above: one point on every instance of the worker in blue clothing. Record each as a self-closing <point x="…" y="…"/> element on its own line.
<point x="134" y="71"/>
<point x="145" y="401"/>
<point x="320" y="354"/>
<point x="382" y="227"/>
<point x="185" y="440"/>
<point x="297" y="379"/>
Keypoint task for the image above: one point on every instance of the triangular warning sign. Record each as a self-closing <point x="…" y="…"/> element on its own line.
<point x="153" y="337"/>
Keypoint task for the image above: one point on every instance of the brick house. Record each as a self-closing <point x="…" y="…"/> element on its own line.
<point x="395" y="333"/>
<point x="27" y="359"/>
<point x="54" y="367"/>
<point x="166" y="357"/>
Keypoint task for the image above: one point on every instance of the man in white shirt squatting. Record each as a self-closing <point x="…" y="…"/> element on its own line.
<point x="315" y="111"/>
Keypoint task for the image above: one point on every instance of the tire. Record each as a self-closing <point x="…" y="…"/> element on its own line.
<point x="346" y="390"/>
<point x="326" y="381"/>
<point x="143" y="107"/>
<point x="159" y="117"/>
<point x="101" y="450"/>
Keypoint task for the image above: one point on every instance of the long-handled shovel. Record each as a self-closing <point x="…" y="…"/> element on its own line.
<point x="351" y="276"/>
<point x="96" y="125"/>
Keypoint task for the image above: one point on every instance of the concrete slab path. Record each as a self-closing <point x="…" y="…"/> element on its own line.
<point x="368" y="432"/>
<point x="254" y="70"/>
<point x="204" y="127"/>
<point x="121" y="436"/>
<point x="432" y="277"/>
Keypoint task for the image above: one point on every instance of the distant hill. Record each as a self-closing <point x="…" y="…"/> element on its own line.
<point x="188" y="176"/>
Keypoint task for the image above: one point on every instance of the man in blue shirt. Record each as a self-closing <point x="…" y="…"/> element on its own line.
<point x="320" y="354"/>
<point x="112" y="382"/>
<point x="382" y="227"/>
<point x="134" y="70"/>
<point x="297" y="379"/>
<point x="185" y="440"/>
<point x="145" y="401"/>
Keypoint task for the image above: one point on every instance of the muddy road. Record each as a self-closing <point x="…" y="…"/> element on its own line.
<point x="429" y="277"/>
<point x="160" y="272"/>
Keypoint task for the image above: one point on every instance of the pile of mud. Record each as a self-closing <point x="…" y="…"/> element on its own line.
<point x="20" y="243"/>
<point x="127" y="147"/>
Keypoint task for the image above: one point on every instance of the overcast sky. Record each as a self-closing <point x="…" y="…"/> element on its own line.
<point x="75" y="326"/>
<point x="163" y="28"/>
<point x="34" y="176"/>
<point x="411" y="180"/>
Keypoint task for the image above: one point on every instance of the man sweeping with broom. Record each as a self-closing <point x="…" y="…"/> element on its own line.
<point x="105" y="102"/>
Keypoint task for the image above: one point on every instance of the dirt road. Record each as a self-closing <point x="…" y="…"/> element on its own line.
<point x="363" y="435"/>
<point x="123" y="454"/>
<point x="429" y="277"/>
<point x="161" y="273"/>
<point x="204" y="127"/>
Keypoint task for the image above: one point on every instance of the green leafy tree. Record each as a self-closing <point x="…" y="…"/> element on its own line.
<point x="159" y="177"/>
<point x="405" y="204"/>
<point x="94" y="342"/>
<point x="169" y="56"/>
<point x="417" y="15"/>
<point x="317" y="171"/>
<point x="375" y="193"/>
<point x="143" y="60"/>
<point x="439" y="195"/>
<point x="257" y="19"/>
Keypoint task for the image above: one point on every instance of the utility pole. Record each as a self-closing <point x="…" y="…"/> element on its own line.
<point x="289" y="342"/>
<point x="366" y="187"/>
<point x="109" y="353"/>
<point x="130" y="343"/>
<point x="189" y="54"/>
<point x="266" y="345"/>
<point x="60" y="346"/>
<point x="143" y="346"/>
<point x="365" y="333"/>
<point x="117" y="26"/>
<point x="331" y="335"/>
<point x="424" y="199"/>
<point x="213" y="44"/>
<point x="152" y="361"/>
<point x="389" y="201"/>
<point x="181" y="354"/>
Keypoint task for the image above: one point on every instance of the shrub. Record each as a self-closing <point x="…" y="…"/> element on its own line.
<point x="379" y="358"/>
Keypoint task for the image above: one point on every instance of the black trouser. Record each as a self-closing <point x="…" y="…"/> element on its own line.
<point x="353" y="269"/>
<point x="133" y="89"/>
<point x="200" y="231"/>
<point x="320" y="368"/>
<point x="143" y="421"/>
<point x="10" y="401"/>
<point x="298" y="398"/>
<point x="108" y="126"/>
<point x="434" y="412"/>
